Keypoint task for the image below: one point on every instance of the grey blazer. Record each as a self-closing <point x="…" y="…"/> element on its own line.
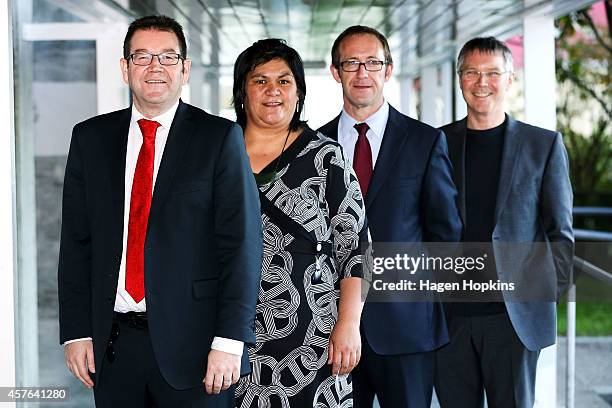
<point x="534" y="204"/>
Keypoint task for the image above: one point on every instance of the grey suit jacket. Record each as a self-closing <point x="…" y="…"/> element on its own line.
<point x="534" y="204"/>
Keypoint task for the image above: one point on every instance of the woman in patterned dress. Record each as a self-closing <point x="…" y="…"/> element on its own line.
<point x="313" y="217"/>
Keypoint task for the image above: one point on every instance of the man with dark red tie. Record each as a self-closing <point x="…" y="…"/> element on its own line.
<point x="405" y="176"/>
<point x="161" y="246"/>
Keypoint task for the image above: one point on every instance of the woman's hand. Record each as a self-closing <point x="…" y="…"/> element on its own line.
<point x="344" y="346"/>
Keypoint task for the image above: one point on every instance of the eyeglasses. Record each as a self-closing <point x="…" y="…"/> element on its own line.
<point x="369" y="65"/>
<point x="472" y="74"/>
<point x="165" y="58"/>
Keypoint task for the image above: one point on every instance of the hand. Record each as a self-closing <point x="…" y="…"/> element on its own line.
<point x="344" y="347"/>
<point x="223" y="371"/>
<point x="79" y="359"/>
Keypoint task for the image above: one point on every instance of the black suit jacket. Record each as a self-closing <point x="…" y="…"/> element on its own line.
<point x="533" y="204"/>
<point x="411" y="198"/>
<point x="203" y="247"/>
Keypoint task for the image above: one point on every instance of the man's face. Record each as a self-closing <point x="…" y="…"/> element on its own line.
<point x="362" y="89"/>
<point x="485" y="94"/>
<point x="155" y="87"/>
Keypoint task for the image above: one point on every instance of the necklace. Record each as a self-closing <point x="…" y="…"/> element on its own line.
<point x="261" y="179"/>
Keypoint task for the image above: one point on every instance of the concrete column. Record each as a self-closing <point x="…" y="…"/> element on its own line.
<point x="7" y="203"/>
<point x="428" y="95"/>
<point x="539" y="70"/>
<point x="212" y="72"/>
<point x="436" y="94"/>
<point x="403" y="60"/>
<point x="26" y="276"/>
<point x="445" y="92"/>
<point x="436" y="80"/>
<point x="540" y="93"/>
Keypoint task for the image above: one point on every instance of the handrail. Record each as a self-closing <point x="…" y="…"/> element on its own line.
<point x="589" y="235"/>
<point x="570" y="370"/>
<point x="602" y="211"/>
<point x="593" y="270"/>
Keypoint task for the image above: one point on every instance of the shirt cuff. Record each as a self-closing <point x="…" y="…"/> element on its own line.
<point x="75" y="340"/>
<point x="228" y="345"/>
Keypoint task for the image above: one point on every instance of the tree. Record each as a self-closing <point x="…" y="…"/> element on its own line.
<point x="584" y="107"/>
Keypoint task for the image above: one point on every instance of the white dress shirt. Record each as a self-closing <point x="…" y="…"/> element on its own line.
<point x="123" y="301"/>
<point x="347" y="134"/>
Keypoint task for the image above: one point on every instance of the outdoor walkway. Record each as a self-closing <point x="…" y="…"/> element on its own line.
<point x="593" y="371"/>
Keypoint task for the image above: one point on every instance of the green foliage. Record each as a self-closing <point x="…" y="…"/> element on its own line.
<point x="593" y="300"/>
<point x="584" y="105"/>
<point x="592" y="319"/>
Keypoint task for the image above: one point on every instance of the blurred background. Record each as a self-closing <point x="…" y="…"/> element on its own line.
<point x="65" y="68"/>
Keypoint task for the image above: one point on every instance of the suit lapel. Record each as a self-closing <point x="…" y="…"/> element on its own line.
<point x="331" y="129"/>
<point x="456" y="149"/>
<point x="179" y="136"/>
<point x="512" y="144"/>
<point x="393" y="140"/>
<point x="118" y="137"/>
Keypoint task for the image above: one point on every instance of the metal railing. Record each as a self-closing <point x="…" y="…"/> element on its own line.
<point x="601" y="275"/>
<point x="594" y="272"/>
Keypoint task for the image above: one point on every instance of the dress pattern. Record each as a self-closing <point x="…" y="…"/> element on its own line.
<point x="298" y="299"/>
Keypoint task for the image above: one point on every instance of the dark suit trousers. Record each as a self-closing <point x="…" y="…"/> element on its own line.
<point x="133" y="379"/>
<point x="398" y="381"/>
<point x="485" y="354"/>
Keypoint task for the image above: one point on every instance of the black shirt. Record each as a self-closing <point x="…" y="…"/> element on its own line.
<point x="483" y="157"/>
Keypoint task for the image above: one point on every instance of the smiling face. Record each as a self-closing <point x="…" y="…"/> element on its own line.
<point x="271" y="95"/>
<point x="484" y="95"/>
<point x="155" y="87"/>
<point x="362" y="90"/>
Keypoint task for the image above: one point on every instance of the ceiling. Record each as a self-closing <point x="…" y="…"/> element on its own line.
<point x="420" y="32"/>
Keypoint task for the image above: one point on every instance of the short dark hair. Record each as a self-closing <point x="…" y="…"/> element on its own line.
<point x="488" y="45"/>
<point x="259" y="53"/>
<point x="160" y="23"/>
<point x="359" y="30"/>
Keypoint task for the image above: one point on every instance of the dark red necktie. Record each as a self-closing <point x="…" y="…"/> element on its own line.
<point x="140" y="205"/>
<point x="362" y="159"/>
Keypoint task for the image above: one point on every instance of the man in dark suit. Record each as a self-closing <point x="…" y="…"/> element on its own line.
<point x="514" y="189"/>
<point x="161" y="240"/>
<point x="405" y="175"/>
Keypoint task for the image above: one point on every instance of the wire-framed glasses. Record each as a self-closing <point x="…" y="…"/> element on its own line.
<point x="472" y="74"/>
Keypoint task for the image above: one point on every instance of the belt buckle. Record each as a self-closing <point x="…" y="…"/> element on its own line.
<point x="138" y="321"/>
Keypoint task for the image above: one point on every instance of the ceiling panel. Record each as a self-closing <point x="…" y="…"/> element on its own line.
<point x="424" y="30"/>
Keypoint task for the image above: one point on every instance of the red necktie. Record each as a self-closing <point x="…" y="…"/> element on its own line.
<point x="362" y="159"/>
<point x="140" y="204"/>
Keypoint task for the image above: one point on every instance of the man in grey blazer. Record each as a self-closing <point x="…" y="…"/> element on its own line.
<point x="514" y="189"/>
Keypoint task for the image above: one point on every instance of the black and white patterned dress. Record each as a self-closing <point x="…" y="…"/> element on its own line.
<point x="298" y="299"/>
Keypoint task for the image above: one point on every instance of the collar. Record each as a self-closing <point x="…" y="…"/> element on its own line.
<point x="377" y="121"/>
<point x="165" y="119"/>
